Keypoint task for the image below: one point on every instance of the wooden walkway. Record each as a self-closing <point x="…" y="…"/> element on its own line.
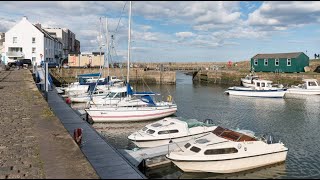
<point x="105" y="159"/>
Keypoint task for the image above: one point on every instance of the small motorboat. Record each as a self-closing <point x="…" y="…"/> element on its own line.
<point x="170" y="130"/>
<point x="309" y="87"/>
<point x="228" y="151"/>
<point x="261" y="88"/>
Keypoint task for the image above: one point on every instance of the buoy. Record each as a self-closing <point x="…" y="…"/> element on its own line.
<point x="77" y="135"/>
<point x="68" y="100"/>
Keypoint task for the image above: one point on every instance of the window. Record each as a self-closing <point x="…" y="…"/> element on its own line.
<point x="156" y="125"/>
<point x="15" y="40"/>
<point x="168" y="131"/>
<point x="276" y="62"/>
<point x="150" y="131"/>
<point x="258" y="84"/>
<point x="33" y="40"/>
<point x="220" y="151"/>
<point x="33" y="50"/>
<point x="187" y="145"/>
<point x="195" y="149"/>
<point x="266" y="62"/>
<point x="144" y="129"/>
<point x="255" y="62"/>
<point x="33" y="59"/>
<point x="262" y="84"/>
<point x="288" y="62"/>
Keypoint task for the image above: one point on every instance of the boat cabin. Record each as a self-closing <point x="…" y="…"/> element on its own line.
<point x="262" y="84"/>
<point x="232" y="135"/>
<point x="310" y="84"/>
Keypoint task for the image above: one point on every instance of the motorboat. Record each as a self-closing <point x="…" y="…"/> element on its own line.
<point x="170" y="130"/>
<point x="261" y="88"/>
<point x="228" y="151"/>
<point x="248" y="80"/>
<point x="309" y="87"/>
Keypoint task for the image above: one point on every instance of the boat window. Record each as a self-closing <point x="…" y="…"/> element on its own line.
<point x="263" y="84"/>
<point x="195" y="149"/>
<point x="312" y="83"/>
<point x="156" y="125"/>
<point x="144" y="129"/>
<point x="258" y="84"/>
<point x="168" y="131"/>
<point x="150" y="131"/>
<point x="187" y="145"/>
<point x="202" y="141"/>
<point x="220" y="151"/>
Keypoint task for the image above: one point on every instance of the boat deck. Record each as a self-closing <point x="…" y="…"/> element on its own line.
<point x="105" y="159"/>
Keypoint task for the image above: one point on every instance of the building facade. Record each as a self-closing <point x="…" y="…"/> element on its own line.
<point x="28" y="41"/>
<point x="86" y="59"/>
<point x="68" y="39"/>
<point x="280" y="62"/>
<point x="2" y="37"/>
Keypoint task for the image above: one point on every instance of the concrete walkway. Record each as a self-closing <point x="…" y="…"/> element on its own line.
<point x="33" y="142"/>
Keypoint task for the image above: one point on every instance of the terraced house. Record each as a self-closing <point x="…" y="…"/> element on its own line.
<point x="280" y="62"/>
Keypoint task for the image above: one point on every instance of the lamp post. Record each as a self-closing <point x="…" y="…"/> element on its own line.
<point x="46" y="77"/>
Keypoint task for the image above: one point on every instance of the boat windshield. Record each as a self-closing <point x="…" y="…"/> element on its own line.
<point x="195" y="123"/>
<point x="232" y="135"/>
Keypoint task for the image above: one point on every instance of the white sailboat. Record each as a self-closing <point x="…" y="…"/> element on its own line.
<point x="152" y="110"/>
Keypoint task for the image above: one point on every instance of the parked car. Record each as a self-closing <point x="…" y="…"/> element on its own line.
<point x="50" y="64"/>
<point x="22" y="62"/>
<point x="25" y="61"/>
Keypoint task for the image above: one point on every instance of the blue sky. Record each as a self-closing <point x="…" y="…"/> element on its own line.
<point x="188" y="31"/>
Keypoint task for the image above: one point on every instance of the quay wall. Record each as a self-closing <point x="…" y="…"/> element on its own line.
<point x="234" y="77"/>
<point x="137" y="75"/>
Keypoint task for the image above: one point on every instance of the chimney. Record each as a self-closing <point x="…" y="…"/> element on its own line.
<point x="24" y="18"/>
<point x="38" y="25"/>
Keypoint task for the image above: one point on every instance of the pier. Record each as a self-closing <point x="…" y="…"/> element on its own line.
<point x="33" y="142"/>
<point x="104" y="158"/>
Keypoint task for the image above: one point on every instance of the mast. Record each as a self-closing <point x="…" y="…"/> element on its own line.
<point x="107" y="45"/>
<point x="129" y="40"/>
<point x="100" y="45"/>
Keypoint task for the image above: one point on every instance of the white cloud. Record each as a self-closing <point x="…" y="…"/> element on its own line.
<point x="184" y="34"/>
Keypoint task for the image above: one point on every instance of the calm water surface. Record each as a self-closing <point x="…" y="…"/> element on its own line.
<point x="295" y="121"/>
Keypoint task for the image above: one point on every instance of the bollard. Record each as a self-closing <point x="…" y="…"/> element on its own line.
<point x="77" y="136"/>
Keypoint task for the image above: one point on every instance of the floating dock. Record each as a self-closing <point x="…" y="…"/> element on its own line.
<point x="104" y="158"/>
<point x="152" y="157"/>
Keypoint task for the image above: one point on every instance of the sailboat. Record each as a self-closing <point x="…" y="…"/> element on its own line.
<point x="151" y="110"/>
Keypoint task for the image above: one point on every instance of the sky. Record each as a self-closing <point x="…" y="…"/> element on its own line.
<point x="179" y="31"/>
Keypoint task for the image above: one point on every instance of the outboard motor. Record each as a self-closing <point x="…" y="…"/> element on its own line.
<point x="208" y="121"/>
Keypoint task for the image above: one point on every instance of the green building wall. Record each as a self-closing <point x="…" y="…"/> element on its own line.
<point x="297" y="64"/>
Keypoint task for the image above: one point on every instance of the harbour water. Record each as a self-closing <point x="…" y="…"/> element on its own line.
<point x="295" y="121"/>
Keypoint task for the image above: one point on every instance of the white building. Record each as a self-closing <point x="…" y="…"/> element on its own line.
<point x="28" y="41"/>
<point x="68" y="39"/>
<point x="2" y="47"/>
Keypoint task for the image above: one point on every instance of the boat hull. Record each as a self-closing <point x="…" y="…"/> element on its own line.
<point x="154" y="143"/>
<point x="256" y="93"/>
<point x="303" y="91"/>
<point x="233" y="165"/>
<point x="129" y="114"/>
